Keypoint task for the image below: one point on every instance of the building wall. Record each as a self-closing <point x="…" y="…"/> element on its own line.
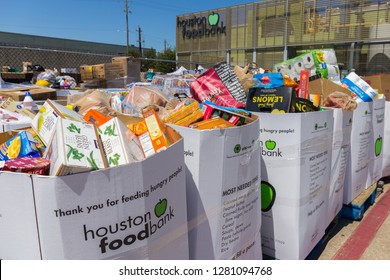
<point x="54" y="52"/>
<point x="261" y="31"/>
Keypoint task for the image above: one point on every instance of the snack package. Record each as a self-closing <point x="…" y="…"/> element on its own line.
<point x="21" y="145"/>
<point x="183" y="110"/>
<point x="39" y="166"/>
<point x="272" y="100"/>
<point x="220" y="85"/>
<point x="213" y="123"/>
<point x="234" y="116"/>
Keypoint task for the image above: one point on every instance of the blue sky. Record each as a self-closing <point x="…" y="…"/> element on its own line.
<point x="102" y="21"/>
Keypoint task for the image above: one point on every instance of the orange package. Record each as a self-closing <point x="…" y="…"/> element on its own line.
<point x="96" y="118"/>
<point x="155" y="129"/>
<point x="212" y="124"/>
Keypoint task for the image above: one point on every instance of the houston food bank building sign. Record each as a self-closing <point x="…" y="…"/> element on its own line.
<point x="199" y="27"/>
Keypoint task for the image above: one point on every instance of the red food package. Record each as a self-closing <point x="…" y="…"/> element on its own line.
<point x="29" y="165"/>
<point x="220" y="85"/>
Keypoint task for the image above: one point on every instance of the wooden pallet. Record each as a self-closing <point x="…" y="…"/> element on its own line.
<point x="356" y="209"/>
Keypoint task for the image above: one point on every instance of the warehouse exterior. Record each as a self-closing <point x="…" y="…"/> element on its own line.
<point x="268" y="32"/>
<point x="54" y="52"/>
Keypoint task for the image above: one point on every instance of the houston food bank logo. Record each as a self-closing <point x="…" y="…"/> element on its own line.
<point x="198" y="27"/>
<point x="137" y="228"/>
<point x="268" y="148"/>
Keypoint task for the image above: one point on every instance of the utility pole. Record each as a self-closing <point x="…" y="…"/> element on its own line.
<point x="165" y="45"/>
<point x="140" y="41"/>
<point x="127" y="26"/>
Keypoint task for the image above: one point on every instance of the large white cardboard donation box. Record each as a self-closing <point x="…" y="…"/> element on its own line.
<point x="340" y="152"/>
<point x="364" y="166"/>
<point x="386" y="143"/>
<point x="377" y="138"/>
<point x="223" y="199"/>
<point x="134" y="211"/>
<point x="296" y="152"/>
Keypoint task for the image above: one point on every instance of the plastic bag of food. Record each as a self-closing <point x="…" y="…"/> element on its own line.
<point x="140" y="96"/>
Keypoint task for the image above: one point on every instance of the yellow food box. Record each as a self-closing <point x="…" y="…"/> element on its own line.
<point x="193" y="117"/>
<point x="182" y="112"/>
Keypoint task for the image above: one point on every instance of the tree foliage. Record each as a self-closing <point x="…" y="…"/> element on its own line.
<point x="164" y="65"/>
<point x="149" y="64"/>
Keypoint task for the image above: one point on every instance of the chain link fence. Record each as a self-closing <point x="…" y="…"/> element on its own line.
<point x="49" y="58"/>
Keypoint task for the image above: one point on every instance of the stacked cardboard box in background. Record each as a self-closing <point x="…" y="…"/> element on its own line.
<point x="380" y="82"/>
<point x="118" y="73"/>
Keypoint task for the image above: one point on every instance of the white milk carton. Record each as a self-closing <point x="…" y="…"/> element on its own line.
<point x="223" y="198"/>
<point x="296" y="152"/>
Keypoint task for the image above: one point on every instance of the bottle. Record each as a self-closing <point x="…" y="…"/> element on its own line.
<point x="28" y="102"/>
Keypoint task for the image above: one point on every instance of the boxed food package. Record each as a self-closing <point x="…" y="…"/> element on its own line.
<point x="213" y="123"/>
<point x="21" y="144"/>
<point x="360" y="88"/>
<point x="132" y="212"/>
<point x="44" y="122"/>
<point x="120" y="144"/>
<point x="14" y="106"/>
<point x="11" y="120"/>
<point x="75" y="148"/>
<point x="223" y="199"/>
<point x="296" y="152"/>
<point x="30" y="165"/>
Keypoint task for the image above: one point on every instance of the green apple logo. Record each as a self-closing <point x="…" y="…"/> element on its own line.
<point x="237" y="148"/>
<point x="325" y="124"/>
<point x="160" y="208"/>
<point x="268" y="195"/>
<point x="270" y="144"/>
<point x="213" y="19"/>
<point x="378" y="146"/>
<point x="366" y="112"/>
<point x="316" y="126"/>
